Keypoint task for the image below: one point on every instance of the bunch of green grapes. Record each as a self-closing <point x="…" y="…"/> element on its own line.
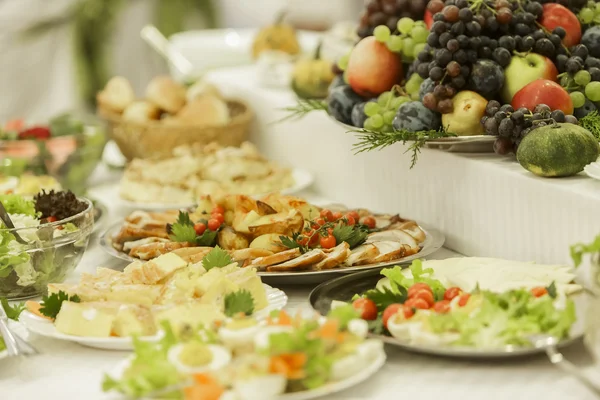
<point x="582" y="85"/>
<point x="409" y="39"/>
<point x="590" y="14"/>
<point x="413" y="85"/>
<point x="380" y="114"/>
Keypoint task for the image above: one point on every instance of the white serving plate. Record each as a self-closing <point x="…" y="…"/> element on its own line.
<point x="276" y="298"/>
<point x="593" y="170"/>
<point x="302" y="180"/>
<point x="325" y="390"/>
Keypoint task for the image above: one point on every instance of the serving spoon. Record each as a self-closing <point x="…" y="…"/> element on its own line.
<point x="9" y="224"/>
<point x="162" y="46"/>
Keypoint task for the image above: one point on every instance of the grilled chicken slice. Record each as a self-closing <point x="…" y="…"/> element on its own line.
<point x="389" y="250"/>
<point x="192" y="254"/>
<point x="413" y="229"/>
<point x="395" y="235"/>
<point x="131" y="232"/>
<point x="152" y="219"/>
<point x="361" y="254"/>
<point x="262" y="262"/>
<point x="385" y="221"/>
<point x="305" y="261"/>
<point x="128" y="246"/>
<point x="249" y="254"/>
<point x="150" y="251"/>
<point x="335" y="257"/>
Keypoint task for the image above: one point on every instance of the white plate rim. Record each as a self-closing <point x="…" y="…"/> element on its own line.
<point x="276" y="298"/>
<point x="303" y="179"/>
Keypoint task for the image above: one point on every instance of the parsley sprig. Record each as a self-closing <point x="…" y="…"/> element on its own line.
<point x="580" y="249"/>
<point x="384" y="297"/>
<point x="183" y="231"/>
<point x="12" y="312"/>
<point x="354" y="235"/>
<point x="51" y="305"/>
<point x="216" y="258"/>
<point x="240" y="302"/>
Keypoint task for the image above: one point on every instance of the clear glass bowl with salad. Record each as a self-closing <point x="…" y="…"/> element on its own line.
<point x="55" y="227"/>
<point x="67" y="147"/>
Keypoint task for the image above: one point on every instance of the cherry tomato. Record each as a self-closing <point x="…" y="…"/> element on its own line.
<point x="417" y="303"/>
<point x="350" y="221"/>
<point x="213" y="224"/>
<point x="200" y="228"/>
<point x="426" y="295"/>
<point x="303" y="239"/>
<point x="452" y="292"/>
<point x="337" y="215"/>
<point x="313" y="238"/>
<point x="463" y="299"/>
<point x="218" y="217"/>
<point x="326" y="214"/>
<point x="328" y="242"/>
<point x="354" y="214"/>
<point x="390" y="310"/>
<point x="366" y="308"/>
<point x="539" y="291"/>
<point x="369" y="222"/>
<point x="218" y="210"/>
<point x="320" y="221"/>
<point x="52" y="219"/>
<point x="418" y="286"/>
<point x="442" y="307"/>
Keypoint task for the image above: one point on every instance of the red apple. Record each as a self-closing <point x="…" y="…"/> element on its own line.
<point x="372" y="68"/>
<point x="428" y="19"/>
<point x="556" y="15"/>
<point x="543" y="91"/>
<point x="523" y="70"/>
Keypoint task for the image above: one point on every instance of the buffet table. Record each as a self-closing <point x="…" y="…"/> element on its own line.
<point x="69" y="371"/>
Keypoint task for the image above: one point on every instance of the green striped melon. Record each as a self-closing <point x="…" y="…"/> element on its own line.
<point x="557" y="150"/>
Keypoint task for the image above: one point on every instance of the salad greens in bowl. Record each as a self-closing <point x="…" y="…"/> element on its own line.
<point x="66" y="147"/>
<point x="55" y="227"/>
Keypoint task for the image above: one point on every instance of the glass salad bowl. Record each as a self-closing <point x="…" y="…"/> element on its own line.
<point x="67" y="148"/>
<point x="51" y="251"/>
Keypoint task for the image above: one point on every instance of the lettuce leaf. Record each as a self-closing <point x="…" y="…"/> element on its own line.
<point x="419" y="275"/>
<point x="9" y="258"/>
<point x="16" y="204"/>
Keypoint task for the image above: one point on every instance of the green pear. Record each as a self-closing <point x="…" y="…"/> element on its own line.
<point x="465" y="119"/>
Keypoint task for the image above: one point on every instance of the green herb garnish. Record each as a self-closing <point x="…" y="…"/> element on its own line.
<point x="216" y="258"/>
<point x="302" y="108"/>
<point x="12" y="312"/>
<point x="293" y="242"/>
<point x="240" y="302"/>
<point x="51" y="305"/>
<point x="591" y="122"/>
<point x="385" y="297"/>
<point x="352" y="235"/>
<point x="183" y="229"/>
<point x="580" y="249"/>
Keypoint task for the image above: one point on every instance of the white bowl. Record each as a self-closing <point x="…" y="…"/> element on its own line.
<point x="219" y="48"/>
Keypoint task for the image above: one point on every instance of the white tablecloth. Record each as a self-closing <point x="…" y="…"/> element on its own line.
<point x="66" y="371"/>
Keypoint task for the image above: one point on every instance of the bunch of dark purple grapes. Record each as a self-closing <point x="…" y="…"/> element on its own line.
<point x="388" y="12"/>
<point x="579" y="60"/>
<point x="510" y="126"/>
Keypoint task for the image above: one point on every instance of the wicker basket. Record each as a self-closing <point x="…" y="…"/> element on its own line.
<point x="157" y="139"/>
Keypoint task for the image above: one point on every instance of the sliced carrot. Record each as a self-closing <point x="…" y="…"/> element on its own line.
<point x="295" y="360"/>
<point x="283" y="319"/>
<point x="34" y="308"/>
<point x="205" y="388"/>
<point x="277" y="365"/>
<point x="329" y="329"/>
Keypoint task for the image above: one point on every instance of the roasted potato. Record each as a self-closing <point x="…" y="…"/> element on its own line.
<point x="264" y="208"/>
<point x="205" y="205"/>
<point x="285" y="223"/>
<point x="285" y="203"/>
<point x="269" y="241"/>
<point x="242" y="220"/>
<point x="229" y="239"/>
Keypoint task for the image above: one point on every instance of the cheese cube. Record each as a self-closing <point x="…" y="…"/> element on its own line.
<point x="86" y="319"/>
<point x="134" y="294"/>
<point x="134" y="320"/>
<point x="156" y="270"/>
<point x="215" y="295"/>
<point x="192" y="314"/>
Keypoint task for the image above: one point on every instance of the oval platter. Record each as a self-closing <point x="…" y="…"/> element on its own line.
<point x="344" y="288"/>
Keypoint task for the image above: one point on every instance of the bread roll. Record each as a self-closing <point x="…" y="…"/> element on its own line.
<point x="202" y="88"/>
<point x="205" y="111"/>
<point x="117" y="95"/>
<point x="167" y="94"/>
<point x="141" y="112"/>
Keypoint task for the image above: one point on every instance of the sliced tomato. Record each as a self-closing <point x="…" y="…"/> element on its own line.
<point x="418" y="286"/>
<point x="419" y="304"/>
<point x="539" y="291"/>
<point x="424" y="294"/>
<point x="442" y="307"/>
<point x="390" y="310"/>
<point x="463" y="299"/>
<point x="37" y="132"/>
<point x="452" y="292"/>
<point x="366" y="308"/>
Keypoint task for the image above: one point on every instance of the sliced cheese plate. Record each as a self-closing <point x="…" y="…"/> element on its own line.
<point x="434" y="240"/>
<point x="276" y="299"/>
<point x="462" y="272"/>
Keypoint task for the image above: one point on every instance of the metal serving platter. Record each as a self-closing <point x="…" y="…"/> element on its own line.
<point x="345" y="287"/>
<point x="434" y="240"/>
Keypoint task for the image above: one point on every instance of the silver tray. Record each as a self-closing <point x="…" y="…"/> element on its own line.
<point x="434" y="240"/>
<point x="459" y="144"/>
<point x="344" y="288"/>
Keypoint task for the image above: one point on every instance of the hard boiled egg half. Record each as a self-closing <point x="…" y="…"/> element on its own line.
<point x="239" y="333"/>
<point x="196" y="357"/>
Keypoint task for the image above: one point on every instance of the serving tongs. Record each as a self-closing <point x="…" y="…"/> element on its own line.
<point x="9" y="224"/>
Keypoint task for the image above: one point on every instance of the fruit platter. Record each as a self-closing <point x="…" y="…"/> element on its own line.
<point x="284" y="357"/>
<point x="108" y="308"/>
<point x="464" y="307"/>
<point x="279" y="235"/>
<point x="470" y="75"/>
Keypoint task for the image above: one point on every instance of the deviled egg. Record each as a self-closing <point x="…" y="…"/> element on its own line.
<point x="263" y="336"/>
<point x="260" y="387"/>
<point x="239" y="333"/>
<point x="195" y="357"/>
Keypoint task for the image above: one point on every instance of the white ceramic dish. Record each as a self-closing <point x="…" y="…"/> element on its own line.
<point x="276" y="298"/>
<point x="322" y="392"/>
<point x="593" y="170"/>
<point x="218" y="48"/>
<point x="302" y="178"/>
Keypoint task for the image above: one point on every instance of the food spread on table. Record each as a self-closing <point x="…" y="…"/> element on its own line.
<point x="276" y="234"/>
<point x="482" y="303"/>
<point x="136" y="301"/>
<point x="197" y="170"/>
<point x="47" y="242"/>
<point x="28" y="185"/>
<point x="244" y="359"/>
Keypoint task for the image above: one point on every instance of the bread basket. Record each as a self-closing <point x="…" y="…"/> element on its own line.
<point x="157" y="139"/>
